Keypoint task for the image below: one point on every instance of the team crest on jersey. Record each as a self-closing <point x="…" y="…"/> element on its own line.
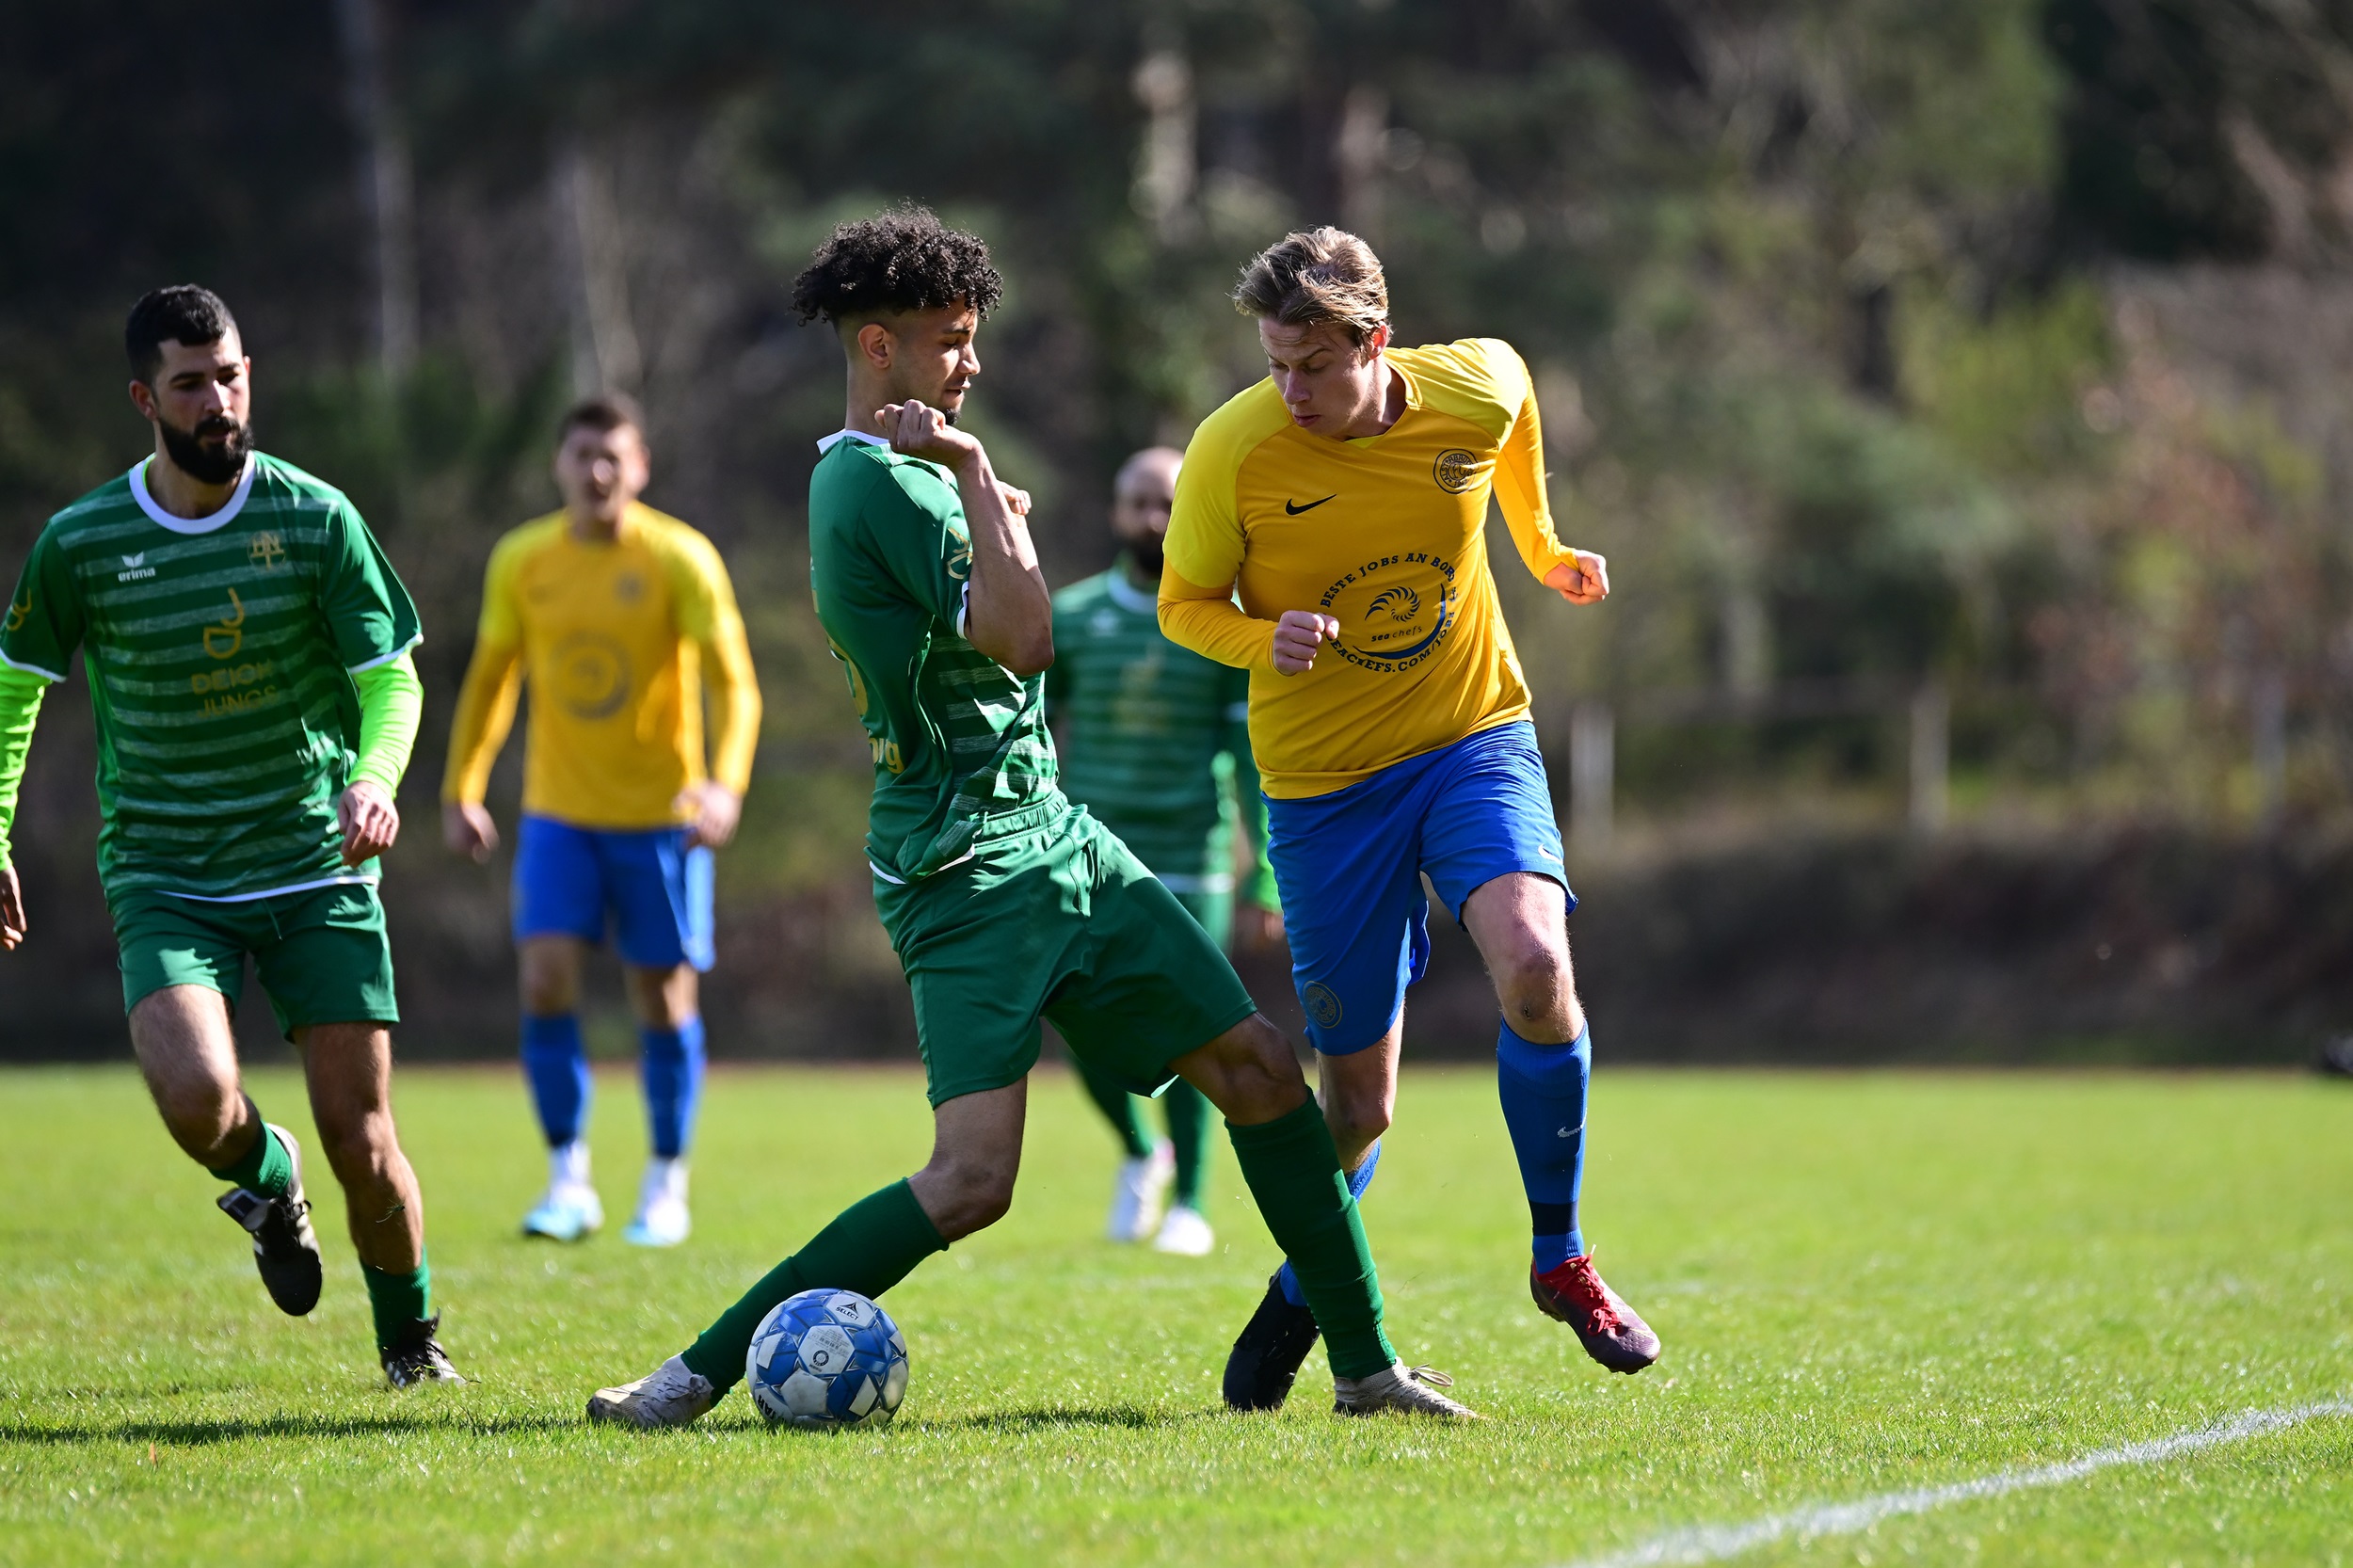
<point x="266" y="550"/>
<point x="1455" y="470"/>
<point x="628" y="588"/>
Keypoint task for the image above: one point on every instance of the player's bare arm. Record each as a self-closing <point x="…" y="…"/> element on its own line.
<point x="1010" y="615"/>
<point x="11" y="910"/>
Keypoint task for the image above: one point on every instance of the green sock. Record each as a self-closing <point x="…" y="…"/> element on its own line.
<point x="870" y="1246"/>
<point x="1294" y="1173"/>
<point x="265" y="1170"/>
<point x="1189" y="1125"/>
<point x="399" y="1300"/>
<point x="1118" y="1108"/>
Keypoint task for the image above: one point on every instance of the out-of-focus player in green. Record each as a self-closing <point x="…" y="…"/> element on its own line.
<point x="248" y="651"/>
<point x="1004" y="903"/>
<point x="1155" y="741"/>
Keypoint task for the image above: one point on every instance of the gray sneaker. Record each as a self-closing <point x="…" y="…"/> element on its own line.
<point x="286" y="1249"/>
<point x="1413" y="1390"/>
<point x="672" y="1394"/>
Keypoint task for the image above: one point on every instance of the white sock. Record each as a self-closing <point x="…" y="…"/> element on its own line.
<point x="665" y="1178"/>
<point x="567" y="1164"/>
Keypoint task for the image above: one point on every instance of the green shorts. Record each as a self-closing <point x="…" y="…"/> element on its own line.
<point x="1214" y="914"/>
<point x="1053" y="917"/>
<point x="322" y="953"/>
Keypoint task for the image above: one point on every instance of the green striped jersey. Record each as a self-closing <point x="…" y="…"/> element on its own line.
<point x="957" y="738"/>
<point x="1155" y="737"/>
<point x="219" y="652"/>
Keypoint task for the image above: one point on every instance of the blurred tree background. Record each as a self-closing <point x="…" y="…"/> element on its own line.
<point x="1983" y="356"/>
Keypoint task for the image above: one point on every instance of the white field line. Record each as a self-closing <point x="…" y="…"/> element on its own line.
<point x="1715" y="1543"/>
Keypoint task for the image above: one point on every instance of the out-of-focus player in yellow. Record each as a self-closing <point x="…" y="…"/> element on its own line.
<point x="619" y="617"/>
<point x="1329" y="538"/>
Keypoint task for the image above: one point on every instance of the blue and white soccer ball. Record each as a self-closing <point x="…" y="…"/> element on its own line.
<point x="827" y="1358"/>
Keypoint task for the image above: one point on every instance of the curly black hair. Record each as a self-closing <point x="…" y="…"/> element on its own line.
<point x="901" y="260"/>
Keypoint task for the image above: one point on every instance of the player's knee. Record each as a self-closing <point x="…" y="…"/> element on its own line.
<point x="1355" y="1124"/>
<point x="361" y="1147"/>
<point x="1536" y="988"/>
<point x="970" y="1195"/>
<point x="1249" y="1073"/>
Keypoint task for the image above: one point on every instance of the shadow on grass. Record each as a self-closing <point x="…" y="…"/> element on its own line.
<point x="1056" y="1417"/>
<point x="197" y="1433"/>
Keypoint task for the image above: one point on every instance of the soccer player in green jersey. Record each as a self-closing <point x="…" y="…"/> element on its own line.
<point x="1004" y="903"/>
<point x="248" y="651"/>
<point x="1155" y="742"/>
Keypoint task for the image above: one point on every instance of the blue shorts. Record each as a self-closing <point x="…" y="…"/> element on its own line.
<point x="1350" y="863"/>
<point x="646" y="887"/>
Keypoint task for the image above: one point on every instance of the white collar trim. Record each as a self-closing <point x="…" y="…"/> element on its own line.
<point x="1128" y="596"/>
<point x="162" y="518"/>
<point x="840" y="435"/>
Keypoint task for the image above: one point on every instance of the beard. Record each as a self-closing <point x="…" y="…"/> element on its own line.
<point x="214" y="464"/>
<point x="1148" y="553"/>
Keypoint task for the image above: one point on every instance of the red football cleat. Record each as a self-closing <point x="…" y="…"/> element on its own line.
<point x="1613" y="1335"/>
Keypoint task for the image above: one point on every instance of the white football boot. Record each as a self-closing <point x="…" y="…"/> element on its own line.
<point x="1137" y="1194"/>
<point x="1186" y="1233"/>
<point x="1411" y="1390"/>
<point x="662" y="1218"/>
<point x="570" y="1209"/>
<point x="672" y="1394"/>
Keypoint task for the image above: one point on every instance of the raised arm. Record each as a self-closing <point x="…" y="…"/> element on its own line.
<point x="1009" y="614"/>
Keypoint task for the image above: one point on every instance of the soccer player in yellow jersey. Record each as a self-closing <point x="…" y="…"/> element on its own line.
<point x="620" y="617"/>
<point x="1329" y="538"/>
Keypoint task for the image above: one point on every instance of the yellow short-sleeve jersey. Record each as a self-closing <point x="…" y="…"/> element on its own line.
<point x="617" y="640"/>
<point x="1387" y="534"/>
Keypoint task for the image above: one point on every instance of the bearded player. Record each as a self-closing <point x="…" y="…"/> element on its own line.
<point x="1344" y="501"/>
<point x="248" y="651"/>
<point x="620" y="617"/>
<point x="1154" y="741"/>
<point x="1004" y="903"/>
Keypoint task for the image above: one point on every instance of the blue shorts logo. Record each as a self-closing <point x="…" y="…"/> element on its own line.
<point x="1323" y="1006"/>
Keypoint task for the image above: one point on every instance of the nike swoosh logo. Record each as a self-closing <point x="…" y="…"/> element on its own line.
<point x="1294" y="508"/>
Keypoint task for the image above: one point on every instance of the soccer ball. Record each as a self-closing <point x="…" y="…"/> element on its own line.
<point x="827" y="1358"/>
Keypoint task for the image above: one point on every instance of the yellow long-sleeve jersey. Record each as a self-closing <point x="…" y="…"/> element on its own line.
<point x="1387" y="534"/>
<point x="617" y="640"/>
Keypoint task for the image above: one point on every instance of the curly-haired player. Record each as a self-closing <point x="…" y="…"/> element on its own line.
<point x="1005" y="903"/>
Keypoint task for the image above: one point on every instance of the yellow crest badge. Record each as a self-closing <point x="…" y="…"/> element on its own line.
<point x="266" y="550"/>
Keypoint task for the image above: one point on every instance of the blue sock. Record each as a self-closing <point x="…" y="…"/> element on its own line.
<point x="557" y="1066"/>
<point x="1543" y="1088"/>
<point x="1358" y="1180"/>
<point x="673" y="1063"/>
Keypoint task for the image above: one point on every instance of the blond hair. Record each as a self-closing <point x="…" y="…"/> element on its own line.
<point x="1314" y="276"/>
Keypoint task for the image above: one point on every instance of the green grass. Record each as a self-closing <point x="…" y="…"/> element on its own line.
<point x="1865" y="1283"/>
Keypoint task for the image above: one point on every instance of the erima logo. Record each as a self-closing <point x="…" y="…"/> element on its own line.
<point x="134" y="566"/>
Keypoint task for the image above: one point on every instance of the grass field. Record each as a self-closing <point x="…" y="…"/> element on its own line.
<point x="1865" y="1284"/>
